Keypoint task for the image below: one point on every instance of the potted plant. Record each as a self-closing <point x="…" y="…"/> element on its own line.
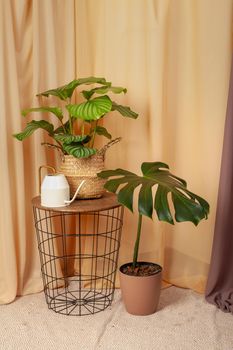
<point x="79" y="124"/>
<point x="141" y="281"/>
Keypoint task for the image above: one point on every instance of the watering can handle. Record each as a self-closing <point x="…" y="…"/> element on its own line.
<point x="47" y="167"/>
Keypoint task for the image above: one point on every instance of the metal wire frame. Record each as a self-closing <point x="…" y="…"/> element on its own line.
<point x="79" y="256"/>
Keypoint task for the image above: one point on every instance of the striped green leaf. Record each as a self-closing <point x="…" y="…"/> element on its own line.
<point x="78" y="151"/>
<point x="54" y="110"/>
<point x="33" y="126"/>
<point x="124" y="111"/>
<point x="91" y="110"/>
<point x="100" y="130"/>
<point x="67" y="90"/>
<point x="103" y="90"/>
<point x="68" y="139"/>
<point x="63" y="128"/>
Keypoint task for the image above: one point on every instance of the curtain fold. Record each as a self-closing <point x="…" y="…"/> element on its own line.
<point x="34" y="56"/>
<point x="174" y="59"/>
<point x="219" y="290"/>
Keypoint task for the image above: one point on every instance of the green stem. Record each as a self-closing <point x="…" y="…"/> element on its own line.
<point x="94" y="133"/>
<point x="63" y="126"/>
<point x="136" y="246"/>
<point x="83" y="128"/>
<point x="70" y="119"/>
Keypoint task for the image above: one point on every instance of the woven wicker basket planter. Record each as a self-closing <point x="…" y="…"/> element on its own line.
<point x="76" y="170"/>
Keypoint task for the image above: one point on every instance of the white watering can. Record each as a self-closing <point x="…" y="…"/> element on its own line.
<point x="55" y="190"/>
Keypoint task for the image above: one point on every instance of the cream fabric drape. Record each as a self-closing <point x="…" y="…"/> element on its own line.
<point x="34" y="54"/>
<point x="174" y="58"/>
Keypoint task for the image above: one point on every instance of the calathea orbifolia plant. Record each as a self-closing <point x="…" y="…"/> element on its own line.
<point x="88" y="112"/>
<point x="187" y="205"/>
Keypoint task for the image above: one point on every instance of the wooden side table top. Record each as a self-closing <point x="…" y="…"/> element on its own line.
<point x="107" y="201"/>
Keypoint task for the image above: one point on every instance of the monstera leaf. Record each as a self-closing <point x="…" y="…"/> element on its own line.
<point x="67" y="90"/>
<point x="187" y="205"/>
<point x="92" y="109"/>
<point x="33" y="126"/>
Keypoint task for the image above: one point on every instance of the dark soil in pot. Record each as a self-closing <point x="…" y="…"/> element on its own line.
<point x="142" y="269"/>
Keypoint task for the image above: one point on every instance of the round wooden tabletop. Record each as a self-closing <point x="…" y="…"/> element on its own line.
<point x="107" y="201"/>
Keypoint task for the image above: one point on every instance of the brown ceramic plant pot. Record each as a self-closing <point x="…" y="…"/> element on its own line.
<point x="141" y="294"/>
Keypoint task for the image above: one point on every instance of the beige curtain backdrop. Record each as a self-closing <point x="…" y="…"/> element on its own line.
<point x="174" y="58"/>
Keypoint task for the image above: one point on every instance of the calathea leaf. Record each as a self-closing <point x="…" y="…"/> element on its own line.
<point x="67" y="90"/>
<point x="78" y="151"/>
<point x="33" y="126"/>
<point x="55" y="110"/>
<point x="68" y="139"/>
<point x="92" y="109"/>
<point x="63" y="128"/>
<point x="115" y="89"/>
<point x="124" y="111"/>
<point x="100" y="130"/>
<point x="187" y="205"/>
<point x="103" y="90"/>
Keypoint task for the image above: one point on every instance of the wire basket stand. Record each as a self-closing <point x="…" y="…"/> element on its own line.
<point x="79" y="247"/>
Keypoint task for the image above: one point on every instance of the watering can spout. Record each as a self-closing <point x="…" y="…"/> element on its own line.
<point x="75" y="195"/>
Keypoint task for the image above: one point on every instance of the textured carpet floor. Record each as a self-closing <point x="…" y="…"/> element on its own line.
<point x="184" y="321"/>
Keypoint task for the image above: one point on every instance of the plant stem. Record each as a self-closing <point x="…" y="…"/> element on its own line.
<point x="70" y="119"/>
<point x="63" y="126"/>
<point x="136" y="246"/>
<point x="52" y="146"/>
<point x="94" y="133"/>
<point x="83" y="128"/>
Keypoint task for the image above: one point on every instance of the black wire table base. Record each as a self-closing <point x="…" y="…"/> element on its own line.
<point x="79" y="303"/>
<point x="73" y="300"/>
<point x="79" y="256"/>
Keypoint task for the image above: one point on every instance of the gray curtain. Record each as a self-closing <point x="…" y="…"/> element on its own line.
<point x="219" y="290"/>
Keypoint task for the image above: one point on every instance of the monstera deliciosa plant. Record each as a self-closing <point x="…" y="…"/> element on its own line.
<point x="187" y="205"/>
<point x="140" y="281"/>
<point x="68" y="137"/>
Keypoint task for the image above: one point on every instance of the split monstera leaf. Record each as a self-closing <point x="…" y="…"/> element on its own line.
<point x="187" y="205"/>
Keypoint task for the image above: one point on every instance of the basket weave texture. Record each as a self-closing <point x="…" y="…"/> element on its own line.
<point x="78" y="169"/>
